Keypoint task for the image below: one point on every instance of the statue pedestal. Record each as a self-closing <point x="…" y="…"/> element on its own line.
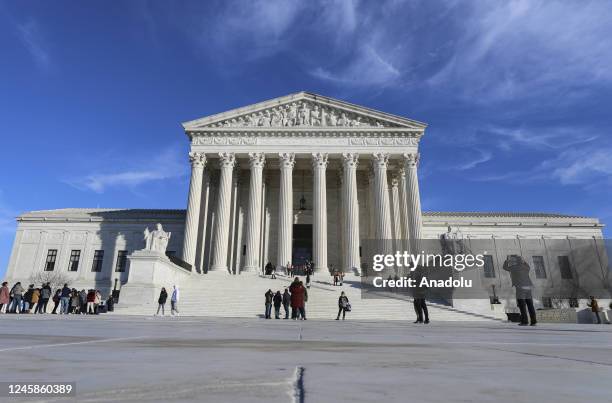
<point x="150" y="271"/>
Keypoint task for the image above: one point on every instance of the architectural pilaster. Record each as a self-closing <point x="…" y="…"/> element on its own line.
<point x="253" y="235"/>
<point x="319" y="233"/>
<point x="198" y="160"/>
<point x="413" y="201"/>
<point x="351" y="212"/>
<point x="285" y="209"/>
<point x="221" y="238"/>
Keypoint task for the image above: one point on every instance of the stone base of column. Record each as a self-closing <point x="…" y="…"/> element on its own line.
<point x="220" y="269"/>
<point x="249" y="269"/>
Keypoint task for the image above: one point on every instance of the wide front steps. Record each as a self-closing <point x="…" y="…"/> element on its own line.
<point x="223" y="295"/>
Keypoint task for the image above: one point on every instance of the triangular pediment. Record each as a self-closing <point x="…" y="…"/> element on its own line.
<point x="302" y="110"/>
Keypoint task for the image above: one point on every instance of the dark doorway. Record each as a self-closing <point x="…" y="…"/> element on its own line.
<point x="302" y="244"/>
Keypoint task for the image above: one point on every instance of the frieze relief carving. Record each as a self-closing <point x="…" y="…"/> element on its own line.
<point x="302" y="114"/>
<point x="322" y="140"/>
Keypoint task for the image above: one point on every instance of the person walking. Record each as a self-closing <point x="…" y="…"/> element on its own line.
<point x="5" y="297"/>
<point x="278" y="300"/>
<point x="174" y="300"/>
<point x="161" y="301"/>
<point x="286" y="302"/>
<point x="56" y="300"/>
<point x="269" y="295"/>
<point x="65" y="299"/>
<point x="594" y="305"/>
<point x="343" y="305"/>
<point x="519" y="274"/>
<point x="307" y="278"/>
<point x="45" y="295"/>
<point x="298" y="299"/>
<point x="419" y="297"/>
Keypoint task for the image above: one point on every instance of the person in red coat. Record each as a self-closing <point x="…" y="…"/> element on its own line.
<point x="299" y="297"/>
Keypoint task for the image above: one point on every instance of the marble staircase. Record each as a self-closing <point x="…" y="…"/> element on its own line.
<point x="219" y="294"/>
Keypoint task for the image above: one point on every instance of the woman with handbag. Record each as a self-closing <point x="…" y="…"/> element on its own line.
<point x="343" y="306"/>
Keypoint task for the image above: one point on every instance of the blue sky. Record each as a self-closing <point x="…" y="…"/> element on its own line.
<point x="517" y="94"/>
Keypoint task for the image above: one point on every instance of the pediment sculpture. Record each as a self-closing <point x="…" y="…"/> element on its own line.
<point x="301" y="114"/>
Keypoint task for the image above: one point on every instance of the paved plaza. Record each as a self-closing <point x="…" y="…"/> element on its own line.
<point x="123" y="359"/>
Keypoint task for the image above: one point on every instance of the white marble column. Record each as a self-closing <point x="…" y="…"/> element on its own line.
<point x="396" y="221"/>
<point x="382" y="211"/>
<point x="403" y="197"/>
<point x="198" y="160"/>
<point x="253" y="235"/>
<point x="351" y="212"/>
<point x="285" y="209"/>
<point x="224" y="200"/>
<point x="203" y="226"/>
<point x="413" y="201"/>
<point x="319" y="230"/>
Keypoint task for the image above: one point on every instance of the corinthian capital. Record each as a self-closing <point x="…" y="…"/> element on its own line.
<point x="257" y="160"/>
<point x="319" y="160"/>
<point x="380" y="160"/>
<point x="411" y="160"/>
<point x="350" y="160"/>
<point x="198" y="160"/>
<point x="287" y="160"/>
<point x="227" y="160"/>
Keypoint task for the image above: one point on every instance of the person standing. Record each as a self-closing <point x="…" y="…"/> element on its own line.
<point x="17" y="293"/>
<point x="27" y="299"/>
<point x="91" y="300"/>
<point x="519" y="274"/>
<point x="83" y="301"/>
<point x="269" y="295"/>
<point x="5" y="297"/>
<point x="289" y="269"/>
<point x="75" y="302"/>
<point x="343" y="305"/>
<point x="45" y="295"/>
<point x="278" y="300"/>
<point x="56" y="300"/>
<point x="594" y="305"/>
<point x="34" y="300"/>
<point x="163" y="296"/>
<point x="97" y="300"/>
<point x="298" y="299"/>
<point x="286" y="302"/>
<point x="419" y="297"/>
<point x="174" y="300"/>
<point x="307" y="278"/>
<point x="65" y="299"/>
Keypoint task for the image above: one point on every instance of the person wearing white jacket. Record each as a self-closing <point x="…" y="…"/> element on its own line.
<point x="174" y="300"/>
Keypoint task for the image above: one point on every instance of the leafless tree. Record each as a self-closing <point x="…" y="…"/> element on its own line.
<point x="54" y="279"/>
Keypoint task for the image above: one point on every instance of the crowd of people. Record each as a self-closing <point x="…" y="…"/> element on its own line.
<point x="66" y="300"/>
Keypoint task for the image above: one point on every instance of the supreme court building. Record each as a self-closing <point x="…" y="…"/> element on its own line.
<point x="300" y="177"/>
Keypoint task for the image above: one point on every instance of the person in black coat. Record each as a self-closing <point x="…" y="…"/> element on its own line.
<point x="519" y="274"/>
<point x="278" y="300"/>
<point x="163" y="296"/>
<point x="286" y="302"/>
<point x="343" y="305"/>
<point x="269" y="295"/>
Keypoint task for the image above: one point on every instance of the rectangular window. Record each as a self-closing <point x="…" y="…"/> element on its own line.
<point x="488" y="268"/>
<point x="121" y="261"/>
<point x="50" y="262"/>
<point x="73" y="263"/>
<point x="573" y="302"/>
<point x="538" y="266"/>
<point x="564" y="267"/>
<point x="97" y="261"/>
<point x="547" y="302"/>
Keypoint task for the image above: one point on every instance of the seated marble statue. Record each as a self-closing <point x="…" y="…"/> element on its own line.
<point x="156" y="240"/>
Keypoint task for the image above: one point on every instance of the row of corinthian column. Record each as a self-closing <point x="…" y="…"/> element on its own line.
<point x="404" y="207"/>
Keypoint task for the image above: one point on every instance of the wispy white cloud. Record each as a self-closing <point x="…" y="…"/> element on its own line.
<point x="31" y="36"/>
<point x="170" y="164"/>
<point x="475" y="160"/>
